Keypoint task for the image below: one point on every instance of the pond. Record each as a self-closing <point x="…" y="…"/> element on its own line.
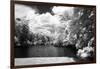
<point x="43" y="51"/>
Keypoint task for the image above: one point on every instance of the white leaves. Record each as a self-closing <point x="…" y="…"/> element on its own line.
<point x="85" y="52"/>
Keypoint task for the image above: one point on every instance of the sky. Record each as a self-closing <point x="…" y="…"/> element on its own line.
<point x="41" y="20"/>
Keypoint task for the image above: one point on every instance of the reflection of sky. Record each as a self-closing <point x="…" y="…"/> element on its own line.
<point x="44" y="22"/>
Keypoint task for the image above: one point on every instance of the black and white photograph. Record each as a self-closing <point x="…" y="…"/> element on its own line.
<point x="47" y="33"/>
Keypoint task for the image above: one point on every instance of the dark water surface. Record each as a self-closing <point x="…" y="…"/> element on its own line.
<point x="43" y="51"/>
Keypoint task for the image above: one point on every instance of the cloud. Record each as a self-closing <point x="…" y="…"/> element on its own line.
<point x="45" y="23"/>
<point x="65" y="12"/>
<point x="48" y="24"/>
<point x="23" y="10"/>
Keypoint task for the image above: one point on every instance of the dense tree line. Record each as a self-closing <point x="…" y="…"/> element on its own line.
<point x="85" y="41"/>
<point x="24" y="37"/>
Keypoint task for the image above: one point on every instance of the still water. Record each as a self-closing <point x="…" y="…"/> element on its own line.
<point x="43" y="51"/>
